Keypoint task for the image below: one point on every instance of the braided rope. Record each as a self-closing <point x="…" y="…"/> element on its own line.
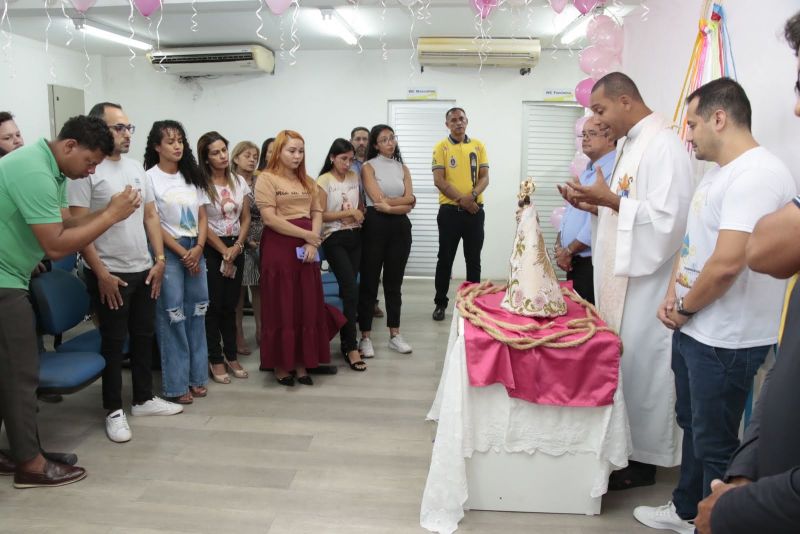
<point x="587" y="326"/>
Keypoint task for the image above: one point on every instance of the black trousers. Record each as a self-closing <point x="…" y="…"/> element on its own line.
<point x="135" y="319"/>
<point x="386" y="244"/>
<point x="456" y="224"/>
<point x="343" y="251"/>
<point x="582" y="277"/>
<point x="223" y="296"/>
<point x="19" y="373"/>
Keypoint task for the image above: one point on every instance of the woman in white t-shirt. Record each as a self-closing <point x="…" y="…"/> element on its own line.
<point x="341" y="232"/>
<point x="228" y="222"/>
<point x="177" y="185"/>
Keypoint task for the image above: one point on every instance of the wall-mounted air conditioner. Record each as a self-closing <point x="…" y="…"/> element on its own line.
<point x="522" y="54"/>
<point x="214" y="60"/>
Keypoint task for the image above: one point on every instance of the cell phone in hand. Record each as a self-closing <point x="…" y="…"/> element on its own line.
<point x="301" y="254"/>
<point x="222" y="269"/>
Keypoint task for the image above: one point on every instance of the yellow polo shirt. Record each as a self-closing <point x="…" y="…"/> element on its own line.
<point x="454" y="158"/>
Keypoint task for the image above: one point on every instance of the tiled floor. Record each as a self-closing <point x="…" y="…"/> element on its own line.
<point x="349" y="455"/>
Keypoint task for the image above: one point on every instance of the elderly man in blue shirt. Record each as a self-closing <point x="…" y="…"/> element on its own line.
<point x="573" y="244"/>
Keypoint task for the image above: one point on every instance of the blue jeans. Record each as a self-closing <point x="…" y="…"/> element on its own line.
<point x="712" y="385"/>
<point x="180" y="325"/>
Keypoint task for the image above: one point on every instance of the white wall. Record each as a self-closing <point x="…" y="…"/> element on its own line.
<point x="766" y="66"/>
<point x="25" y="74"/>
<point x="327" y="93"/>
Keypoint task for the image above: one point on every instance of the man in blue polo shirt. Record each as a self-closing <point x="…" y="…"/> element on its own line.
<point x="32" y="201"/>
<point x="574" y="242"/>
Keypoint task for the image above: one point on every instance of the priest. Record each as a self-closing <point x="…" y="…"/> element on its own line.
<point x="640" y="221"/>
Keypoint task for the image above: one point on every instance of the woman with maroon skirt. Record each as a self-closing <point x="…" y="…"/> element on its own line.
<point x="297" y="325"/>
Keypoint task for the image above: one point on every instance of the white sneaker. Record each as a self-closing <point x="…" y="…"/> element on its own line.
<point x="156" y="406"/>
<point x="366" y="348"/>
<point x="117" y="428"/>
<point x="399" y="344"/>
<point x="664" y="518"/>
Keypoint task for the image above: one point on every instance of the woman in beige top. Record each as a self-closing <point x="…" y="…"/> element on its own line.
<point x="297" y="325"/>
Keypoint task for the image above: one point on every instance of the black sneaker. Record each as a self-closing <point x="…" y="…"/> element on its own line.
<point x="438" y="313"/>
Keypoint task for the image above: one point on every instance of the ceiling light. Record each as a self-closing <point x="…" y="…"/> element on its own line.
<point x="576" y="29"/>
<point x="336" y="25"/>
<point x="106" y="35"/>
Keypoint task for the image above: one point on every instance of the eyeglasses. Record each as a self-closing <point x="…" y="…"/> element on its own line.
<point x="119" y="128"/>
<point x="592" y="133"/>
<point x="797" y="84"/>
<point x="384" y="140"/>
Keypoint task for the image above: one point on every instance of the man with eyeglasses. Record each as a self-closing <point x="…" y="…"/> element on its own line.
<point x="461" y="174"/>
<point x="573" y="249"/>
<point x="122" y="276"/>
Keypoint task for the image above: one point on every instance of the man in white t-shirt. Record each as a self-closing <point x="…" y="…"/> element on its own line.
<point x="725" y="316"/>
<point x="122" y="277"/>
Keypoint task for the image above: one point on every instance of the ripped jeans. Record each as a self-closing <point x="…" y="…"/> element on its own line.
<point x="180" y="325"/>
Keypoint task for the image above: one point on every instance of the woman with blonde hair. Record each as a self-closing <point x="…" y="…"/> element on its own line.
<point x="297" y="324"/>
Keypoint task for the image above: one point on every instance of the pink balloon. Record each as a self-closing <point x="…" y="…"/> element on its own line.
<point x="278" y="6"/>
<point x="596" y="61"/>
<point x="558" y="5"/>
<point x="583" y="91"/>
<point x="578" y="164"/>
<point x="606" y="34"/>
<point x="146" y="7"/>
<point x="579" y="124"/>
<point x="556" y="216"/>
<point x="484" y="7"/>
<point x="584" y="6"/>
<point x="83" y="5"/>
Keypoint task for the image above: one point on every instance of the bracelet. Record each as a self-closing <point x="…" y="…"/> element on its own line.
<point x="240" y="245"/>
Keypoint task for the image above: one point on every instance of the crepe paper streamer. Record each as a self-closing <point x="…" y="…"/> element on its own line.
<point x="712" y="58"/>
<point x="195" y="26"/>
<point x="132" y="57"/>
<point x="260" y="21"/>
<point x="293" y="35"/>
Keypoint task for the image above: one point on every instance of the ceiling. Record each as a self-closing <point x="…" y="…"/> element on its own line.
<point x="381" y="23"/>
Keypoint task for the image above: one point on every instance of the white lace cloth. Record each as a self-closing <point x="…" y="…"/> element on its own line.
<point x="482" y="418"/>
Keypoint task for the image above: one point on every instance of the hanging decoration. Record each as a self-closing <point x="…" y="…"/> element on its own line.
<point x="382" y="37"/>
<point x="260" y="21"/>
<point x="293" y="34"/>
<point x="68" y="25"/>
<point x="712" y="57"/>
<point x="195" y="26"/>
<point x="556" y="216"/>
<point x="5" y="27"/>
<point x="484" y="7"/>
<point x="132" y="35"/>
<point x="584" y="6"/>
<point x="146" y="7"/>
<point x="88" y="62"/>
<point x="47" y="41"/>
<point x="583" y="91"/>
<point x="278" y="6"/>
<point x="558" y="5"/>
<point x="82" y="6"/>
<point x="604" y="32"/>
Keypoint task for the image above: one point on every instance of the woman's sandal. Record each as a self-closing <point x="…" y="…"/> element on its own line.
<point x="238" y="373"/>
<point x="219" y="379"/>
<point x="359" y="365"/>
<point x="186" y="398"/>
<point x="198" y="391"/>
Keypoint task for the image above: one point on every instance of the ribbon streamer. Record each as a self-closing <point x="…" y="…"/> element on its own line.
<point x="645" y="10"/>
<point x="411" y="40"/>
<point x="382" y="37"/>
<point x="293" y="34"/>
<point x="260" y="21"/>
<point x="47" y="41"/>
<point x="5" y="24"/>
<point x="195" y="25"/>
<point x="68" y="26"/>
<point x="131" y="36"/>
<point x="88" y="63"/>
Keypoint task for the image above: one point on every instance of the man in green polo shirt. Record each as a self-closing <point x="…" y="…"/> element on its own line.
<point x="34" y="222"/>
<point x="461" y="174"/>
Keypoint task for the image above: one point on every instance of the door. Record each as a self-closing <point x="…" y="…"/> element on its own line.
<point x="64" y="102"/>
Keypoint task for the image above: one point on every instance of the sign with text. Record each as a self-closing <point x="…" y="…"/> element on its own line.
<point x="559" y="95"/>
<point x="422" y="93"/>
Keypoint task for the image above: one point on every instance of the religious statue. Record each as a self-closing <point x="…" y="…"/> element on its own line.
<point x="533" y="288"/>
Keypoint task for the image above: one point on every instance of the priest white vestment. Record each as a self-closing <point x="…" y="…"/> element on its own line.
<point x="633" y="258"/>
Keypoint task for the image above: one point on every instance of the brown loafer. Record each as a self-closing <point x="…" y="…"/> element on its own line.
<point x="7" y="465"/>
<point x="53" y="475"/>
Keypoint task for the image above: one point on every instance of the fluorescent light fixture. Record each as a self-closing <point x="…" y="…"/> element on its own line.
<point x="106" y="35"/>
<point x="576" y="29"/>
<point x="336" y="25"/>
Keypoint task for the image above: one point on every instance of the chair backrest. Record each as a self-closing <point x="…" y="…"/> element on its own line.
<point x="60" y="300"/>
<point x="67" y="263"/>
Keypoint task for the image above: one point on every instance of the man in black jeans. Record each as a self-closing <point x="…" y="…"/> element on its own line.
<point x="461" y="174"/>
<point x="122" y="277"/>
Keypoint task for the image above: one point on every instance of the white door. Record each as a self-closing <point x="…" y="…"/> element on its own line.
<point x="548" y="146"/>
<point x="419" y="125"/>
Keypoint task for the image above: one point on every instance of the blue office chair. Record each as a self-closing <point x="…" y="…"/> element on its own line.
<point x="61" y="301"/>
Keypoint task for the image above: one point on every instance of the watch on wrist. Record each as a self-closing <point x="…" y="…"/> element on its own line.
<point x="161" y="258"/>
<point x="682" y="310"/>
<point x="474" y="195"/>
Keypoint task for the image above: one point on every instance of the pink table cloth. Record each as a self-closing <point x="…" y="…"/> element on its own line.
<point x="586" y="375"/>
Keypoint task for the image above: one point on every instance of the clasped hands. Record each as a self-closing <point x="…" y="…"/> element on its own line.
<point x="313" y="241"/>
<point x="668" y="312"/>
<point x="563" y="257"/>
<point x="718" y="488"/>
<point x="588" y="197"/>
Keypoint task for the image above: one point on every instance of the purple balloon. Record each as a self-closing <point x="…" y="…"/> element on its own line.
<point x="583" y="92"/>
<point x="146" y="7"/>
<point x="83" y="5"/>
